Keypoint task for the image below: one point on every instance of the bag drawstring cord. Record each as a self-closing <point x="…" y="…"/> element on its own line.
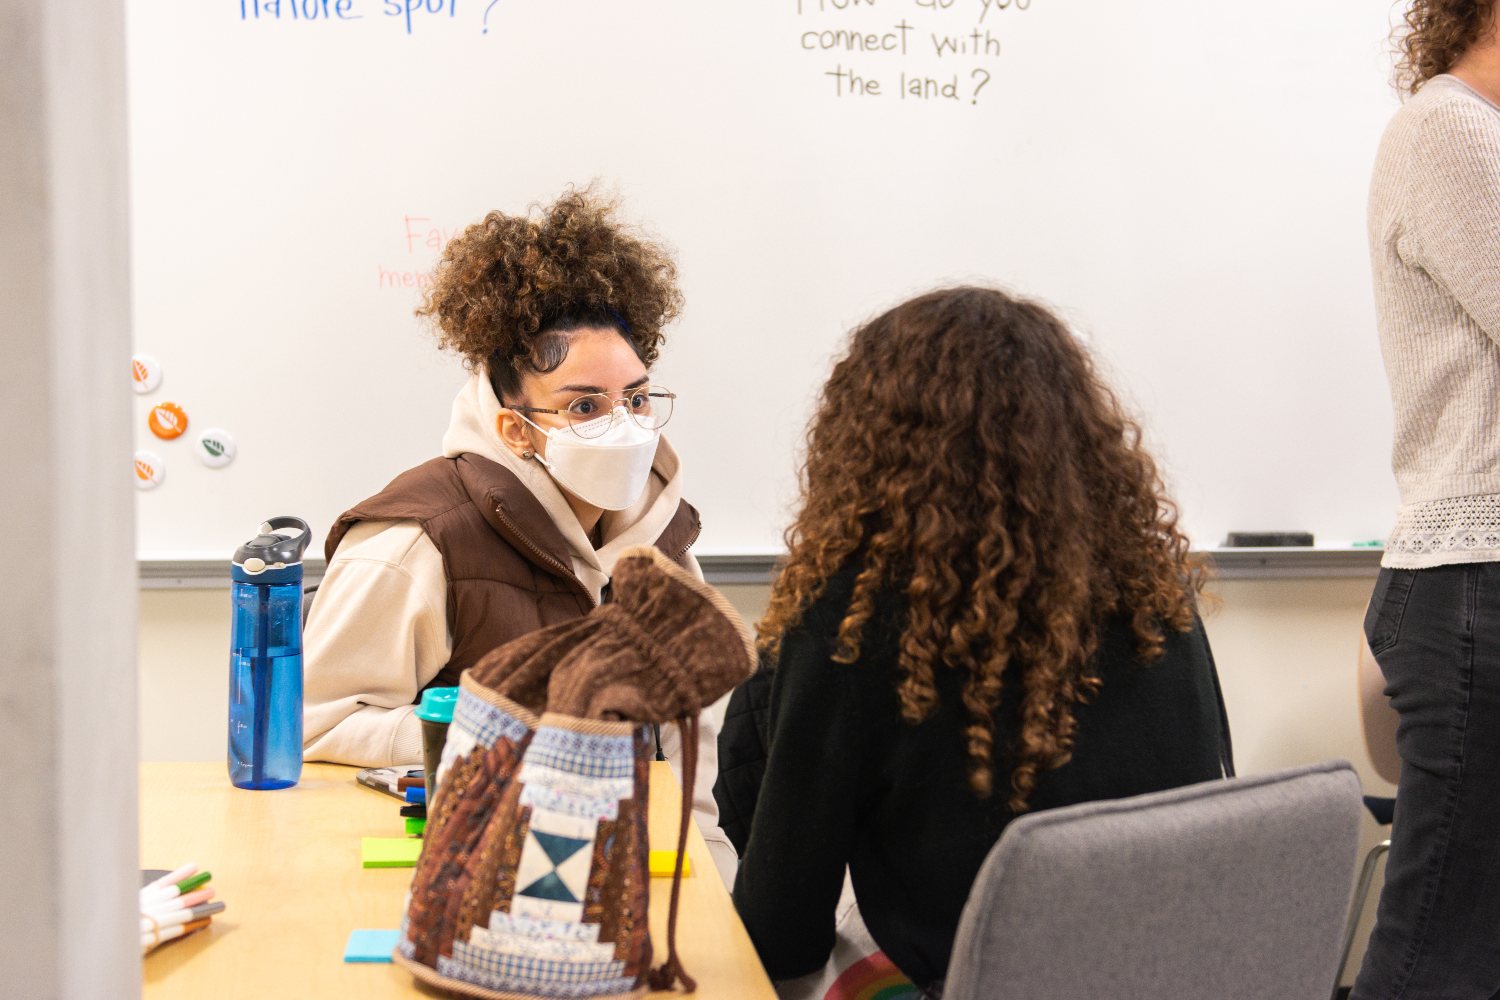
<point x="662" y="977"/>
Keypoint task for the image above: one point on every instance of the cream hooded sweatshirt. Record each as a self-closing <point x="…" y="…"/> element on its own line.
<point x="378" y="633"/>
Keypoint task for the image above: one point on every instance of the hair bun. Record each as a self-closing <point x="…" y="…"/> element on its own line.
<point x="505" y="280"/>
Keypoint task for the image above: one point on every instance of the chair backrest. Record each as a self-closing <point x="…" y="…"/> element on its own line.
<point x="1229" y="889"/>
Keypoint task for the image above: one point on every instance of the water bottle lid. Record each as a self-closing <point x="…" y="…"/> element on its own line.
<point x="437" y="704"/>
<point x="281" y="542"/>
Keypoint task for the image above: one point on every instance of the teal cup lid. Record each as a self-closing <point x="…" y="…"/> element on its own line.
<point x="437" y="705"/>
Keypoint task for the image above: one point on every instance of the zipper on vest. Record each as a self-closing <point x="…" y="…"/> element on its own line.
<point x="697" y="530"/>
<point x="552" y="563"/>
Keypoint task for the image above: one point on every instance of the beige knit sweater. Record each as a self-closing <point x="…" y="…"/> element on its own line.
<point x="1435" y="249"/>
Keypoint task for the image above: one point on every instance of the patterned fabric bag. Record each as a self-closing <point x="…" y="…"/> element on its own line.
<point x="533" y="876"/>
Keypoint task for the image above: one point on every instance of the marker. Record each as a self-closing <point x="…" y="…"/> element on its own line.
<point x="181" y="902"/>
<point x="167" y="892"/>
<point x="173" y="876"/>
<point x="193" y="882"/>
<point x="150" y="940"/>
<point x="150" y="925"/>
<point x="1373" y="544"/>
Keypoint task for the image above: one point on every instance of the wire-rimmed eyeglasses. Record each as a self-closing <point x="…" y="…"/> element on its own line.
<point x="648" y="405"/>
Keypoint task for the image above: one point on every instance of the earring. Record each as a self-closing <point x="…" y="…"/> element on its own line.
<point x="528" y="454"/>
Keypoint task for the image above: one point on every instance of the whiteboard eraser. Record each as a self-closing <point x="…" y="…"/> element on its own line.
<point x="1268" y="539"/>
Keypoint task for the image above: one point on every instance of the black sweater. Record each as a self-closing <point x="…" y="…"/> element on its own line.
<point x="818" y="753"/>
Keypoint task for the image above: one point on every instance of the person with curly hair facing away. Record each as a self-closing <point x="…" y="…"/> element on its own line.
<point x="552" y="465"/>
<point x="986" y="608"/>
<point x="1433" y="622"/>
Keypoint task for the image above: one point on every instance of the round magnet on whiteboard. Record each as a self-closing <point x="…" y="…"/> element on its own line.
<point x="167" y="421"/>
<point x="216" y="447"/>
<point x="149" y="470"/>
<point x="145" y="373"/>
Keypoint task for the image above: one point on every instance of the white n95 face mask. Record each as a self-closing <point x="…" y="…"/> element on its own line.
<point x="608" y="470"/>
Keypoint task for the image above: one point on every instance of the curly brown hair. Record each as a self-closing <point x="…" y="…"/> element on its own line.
<point x="508" y="286"/>
<point x="967" y="455"/>
<point x="1435" y="36"/>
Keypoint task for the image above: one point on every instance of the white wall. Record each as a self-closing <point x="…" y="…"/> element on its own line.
<point x="67" y="596"/>
<point x="1285" y="649"/>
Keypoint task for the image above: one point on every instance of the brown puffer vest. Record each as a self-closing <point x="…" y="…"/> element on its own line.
<point x="508" y="568"/>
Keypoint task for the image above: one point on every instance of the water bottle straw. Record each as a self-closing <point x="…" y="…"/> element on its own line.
<point x="260" y="672"/>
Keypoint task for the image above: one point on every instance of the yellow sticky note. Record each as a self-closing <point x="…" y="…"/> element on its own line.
<point x="660" y="864"/>
<point x="389" y="852"/>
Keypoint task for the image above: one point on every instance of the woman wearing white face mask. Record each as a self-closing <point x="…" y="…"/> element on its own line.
<point x="553" y="463"/>
<point x="604" y="460"/>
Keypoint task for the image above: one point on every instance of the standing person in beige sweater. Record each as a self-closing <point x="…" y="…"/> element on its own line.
<point x="552" y="465"/>
<point x="1434" y="619"/>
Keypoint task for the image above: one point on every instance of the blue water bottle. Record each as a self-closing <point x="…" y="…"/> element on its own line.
<point x="265" y="657"/>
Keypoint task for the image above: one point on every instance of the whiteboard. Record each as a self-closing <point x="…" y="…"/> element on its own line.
<point x="1183" y="180"/>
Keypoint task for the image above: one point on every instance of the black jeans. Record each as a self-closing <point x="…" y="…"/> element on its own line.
<point x="1436" y="635"/>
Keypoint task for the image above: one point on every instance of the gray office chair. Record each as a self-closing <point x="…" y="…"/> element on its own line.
<point x="1232" y="889"/>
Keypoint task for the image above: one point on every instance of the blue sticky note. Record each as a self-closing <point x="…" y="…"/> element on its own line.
<point x="370" y="946"/>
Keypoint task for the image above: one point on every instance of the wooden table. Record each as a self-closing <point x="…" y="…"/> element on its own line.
<point x="287" y="864"/>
